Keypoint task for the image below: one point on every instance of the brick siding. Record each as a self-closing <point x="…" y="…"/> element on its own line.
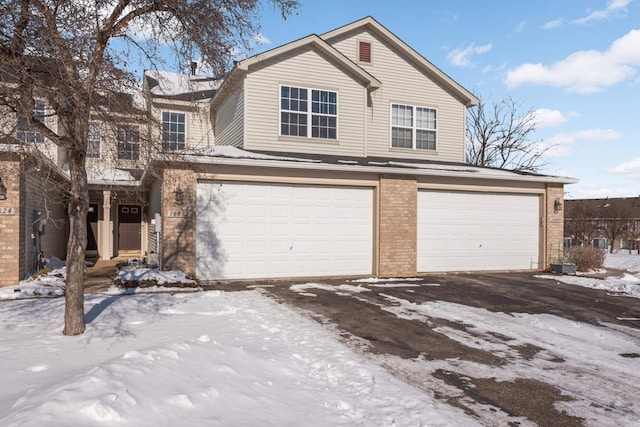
<point x="398" y="227"/>
<point x="555" y="224"/>
<point x="179" y="231"/>
<point x="10" y="225"/>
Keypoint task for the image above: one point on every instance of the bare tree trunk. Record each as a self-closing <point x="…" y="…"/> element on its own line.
<point x="78" y="207"/>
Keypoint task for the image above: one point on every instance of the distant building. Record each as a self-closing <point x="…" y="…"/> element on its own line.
<point x="610" y="223"/>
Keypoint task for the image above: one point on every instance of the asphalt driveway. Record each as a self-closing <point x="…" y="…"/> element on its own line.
<point x="494" y="345"/>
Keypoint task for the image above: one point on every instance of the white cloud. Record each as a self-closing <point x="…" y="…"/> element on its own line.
<point x="461" y="57"/>
<point x="561" y="145"/>
<point x="587" y="190"/>
<point x="520" y="26"/>
<point x="613" y="8"/>
<point x="630" y="169"/>
<point x="545" y="118"/>
<point x="552" y="24"/>
<point x="585" y="71"/>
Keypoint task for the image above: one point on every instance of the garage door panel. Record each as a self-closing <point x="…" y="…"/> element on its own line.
<point x="271" y="230"/>
<point x="460" y="231"/>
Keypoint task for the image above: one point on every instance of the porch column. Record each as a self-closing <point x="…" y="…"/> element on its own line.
<point x="106" y="232"/>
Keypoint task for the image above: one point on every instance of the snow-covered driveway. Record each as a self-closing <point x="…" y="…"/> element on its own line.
<point x="506" y="347"/>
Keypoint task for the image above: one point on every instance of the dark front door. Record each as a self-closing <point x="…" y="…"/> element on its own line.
<point x="129" y="219"/>
<point x="92" y="228"/>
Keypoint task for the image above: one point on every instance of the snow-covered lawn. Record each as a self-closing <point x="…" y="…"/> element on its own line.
<point x="622" y="261"/>
<point x="207" y="358"/>
<point x="241" y="359"/>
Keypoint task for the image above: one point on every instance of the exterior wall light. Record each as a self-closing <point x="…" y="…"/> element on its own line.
<point x="557" y="205"/>
<point x="3" y="191"/>
<point x="179" y="200"/>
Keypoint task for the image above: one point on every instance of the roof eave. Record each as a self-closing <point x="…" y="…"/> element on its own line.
<point x="387" y="170"/>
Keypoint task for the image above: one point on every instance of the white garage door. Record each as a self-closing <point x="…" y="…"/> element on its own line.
<point x="459" y="231"/>
<point x="254" y="230"/>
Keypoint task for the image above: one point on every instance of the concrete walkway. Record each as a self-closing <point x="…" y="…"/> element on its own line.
<point x="100" y="277"/>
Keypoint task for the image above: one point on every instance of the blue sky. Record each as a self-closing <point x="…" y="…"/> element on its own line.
<point x="576" y="62"/>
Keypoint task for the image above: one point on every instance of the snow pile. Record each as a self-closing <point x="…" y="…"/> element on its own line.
<point x="137" y="276"/>
<point x="626" y="284"/>
<point x="48" y="283"/>
<point x="208" y="358"/>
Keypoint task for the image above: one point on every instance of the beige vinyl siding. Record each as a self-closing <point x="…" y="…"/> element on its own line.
<point x="42" y="196"/>
<point x="155" y="207"/>
<point x="404" y="83"/>
<point x="302" y="68"/>
<point x="229" y="119"/>
<point x="199" y="128"/>
<point x="199" y="131"/>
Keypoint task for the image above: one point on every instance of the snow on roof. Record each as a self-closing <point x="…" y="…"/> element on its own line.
<point x="99" y="174"/>
<point x="237" y="153"/>
<point x="172" y="84"/>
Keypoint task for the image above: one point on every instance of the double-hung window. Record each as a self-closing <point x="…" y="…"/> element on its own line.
<point x="413" y="127"/>
<point x="308" y="113"/>
<point x="93" y="140"/>
<point x="173" y="130"/>
<point x="23" y="133"/>
<point x="129" y="142"/>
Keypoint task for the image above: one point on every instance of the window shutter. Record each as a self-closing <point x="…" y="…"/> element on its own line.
<point x="365" y="52"/>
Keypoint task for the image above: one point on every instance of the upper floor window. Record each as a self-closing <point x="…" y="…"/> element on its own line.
<point x="173" y="130"/>
<point x="93" y="140"/>
<point x="23" y="133"/>
<point x="309" y="113"/>
<point x="413" y="127"/>
<point x="129" y="142"/>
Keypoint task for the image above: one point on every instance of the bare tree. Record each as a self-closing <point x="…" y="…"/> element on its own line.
<point x="71" y="54"/>
<point x="615" y="221"/>
<point x="580" y="223"/>
<point x="500" y="136"/>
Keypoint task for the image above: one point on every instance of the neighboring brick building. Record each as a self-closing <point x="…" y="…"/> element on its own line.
<point x="609" y="223"/>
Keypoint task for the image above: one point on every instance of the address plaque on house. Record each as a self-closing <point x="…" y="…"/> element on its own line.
<point x="7" y="211"/>
<point x="179" y="214"/>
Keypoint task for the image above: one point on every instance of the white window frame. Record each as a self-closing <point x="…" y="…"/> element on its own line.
<point x="414" y="126"/>
<point x="92" y="142"/>
<point x="308" y="113"/>
<point x="171" y="145"/>
<point x="132" y="145"/>
<point x="599" y="246"/>
<point x="27" y="135"/>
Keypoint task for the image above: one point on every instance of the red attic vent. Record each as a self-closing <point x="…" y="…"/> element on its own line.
<point x="364" y="52"/>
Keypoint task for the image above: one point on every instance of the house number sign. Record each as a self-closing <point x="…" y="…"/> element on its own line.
<point x="179" y="214"/>
<point x="7" y="211"/>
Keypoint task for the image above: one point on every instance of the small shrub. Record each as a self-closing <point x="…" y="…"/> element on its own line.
<point x="586" y="258"/>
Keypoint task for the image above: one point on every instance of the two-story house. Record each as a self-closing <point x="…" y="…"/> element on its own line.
<point x="344" y="154"/>
<point x="335" y="154"/>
